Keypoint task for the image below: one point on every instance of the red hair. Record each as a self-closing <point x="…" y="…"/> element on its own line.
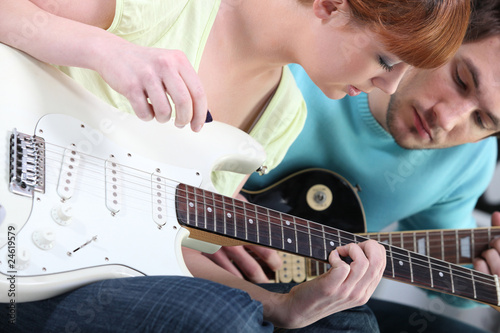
<point x="422" y="33"/>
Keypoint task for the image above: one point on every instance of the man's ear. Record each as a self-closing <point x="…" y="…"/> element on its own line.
<point x="325" y="9"/>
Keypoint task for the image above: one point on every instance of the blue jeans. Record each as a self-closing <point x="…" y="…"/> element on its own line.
<point x="159" y="304"/>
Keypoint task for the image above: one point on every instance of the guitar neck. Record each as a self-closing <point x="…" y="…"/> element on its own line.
<point x="457" y="246"/>
<point x="249" y="223"/>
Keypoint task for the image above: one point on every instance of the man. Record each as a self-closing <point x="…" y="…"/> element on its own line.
<point x="388" y="145"/>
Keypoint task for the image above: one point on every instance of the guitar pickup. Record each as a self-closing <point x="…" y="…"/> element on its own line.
<point x="113" y="186"/>
<point x="68" y="173"/>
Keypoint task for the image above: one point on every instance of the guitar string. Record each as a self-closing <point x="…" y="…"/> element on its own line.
<point x="348" y="239"/>
<point x="445" y="232"/>
<point x="149" y="201"/>
<point x="439" y="247"/>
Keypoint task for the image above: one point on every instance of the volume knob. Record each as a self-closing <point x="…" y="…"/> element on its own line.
<point x="22" y="259"/>
<point x="62" y="214"/>
<point x="44" y="239"/>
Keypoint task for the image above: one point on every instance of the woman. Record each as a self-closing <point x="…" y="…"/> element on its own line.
<point x="232" y="60"/>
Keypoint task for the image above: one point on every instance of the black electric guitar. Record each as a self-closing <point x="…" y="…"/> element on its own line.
<point x="323" y="196"/>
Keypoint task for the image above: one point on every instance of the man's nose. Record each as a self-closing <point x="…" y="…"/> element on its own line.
<point x="450" y="115"/>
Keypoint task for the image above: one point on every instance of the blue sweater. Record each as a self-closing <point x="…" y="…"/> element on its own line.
<point x="422" y="189"/>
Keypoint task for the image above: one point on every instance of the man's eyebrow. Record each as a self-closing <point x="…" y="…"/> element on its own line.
<point x="476" y="78"/>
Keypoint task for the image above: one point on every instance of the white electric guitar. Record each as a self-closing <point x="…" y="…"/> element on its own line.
<point x="75" y="206"/>
<point x="88" y="193"/>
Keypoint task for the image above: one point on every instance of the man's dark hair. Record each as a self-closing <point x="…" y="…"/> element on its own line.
<point x="484" y="20"/>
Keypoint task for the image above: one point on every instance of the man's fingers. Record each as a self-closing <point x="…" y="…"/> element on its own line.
<point x="220" y="258"/>
<point x="247" y="264"/>
<point x="269" y="257"/>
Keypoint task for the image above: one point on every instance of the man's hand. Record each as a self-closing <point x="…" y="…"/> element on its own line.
<point x="344" y="286"/>
<point x="246" y="261"/>
<point x="489" y="262"/>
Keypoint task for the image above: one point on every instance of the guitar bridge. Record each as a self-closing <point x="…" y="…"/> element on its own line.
<point x="27" y="164"/>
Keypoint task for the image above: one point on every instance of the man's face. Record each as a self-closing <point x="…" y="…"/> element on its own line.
<point x="454" y="104"/>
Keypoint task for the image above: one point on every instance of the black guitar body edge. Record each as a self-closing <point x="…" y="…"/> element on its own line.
<point x="314" y="194"/>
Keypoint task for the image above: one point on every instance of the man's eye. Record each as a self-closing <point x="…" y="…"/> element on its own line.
<point x="479" y="120"/>
<point x="459" y="80"/>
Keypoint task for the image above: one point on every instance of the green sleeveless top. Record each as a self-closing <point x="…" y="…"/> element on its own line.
<point x="185" y="25"/>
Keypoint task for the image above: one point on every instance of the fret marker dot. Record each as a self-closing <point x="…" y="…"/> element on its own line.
<point x="191" y="204"/>
<point x="229" y="215"/>
<point x="251" y="221"/>
<point x="400" y="263"/>
<point x="209" y="209"/>
<point x="441" y="274"/>
<point x="287" y="222"/>
<point x="332" y="243"/>
<point x="289" y="240"/>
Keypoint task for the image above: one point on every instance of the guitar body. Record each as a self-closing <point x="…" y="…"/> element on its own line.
<point x="84" y="188"/>
<point x="315" y="194"/>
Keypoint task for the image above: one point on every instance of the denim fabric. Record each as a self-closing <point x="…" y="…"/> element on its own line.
<point x="142" y="304"/>
<point x="164" y="304"/>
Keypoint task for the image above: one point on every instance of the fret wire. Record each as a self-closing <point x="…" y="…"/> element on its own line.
<point x="427" y="247"/>
<point x="196" y="207"/>
<point x="235" y="222"/>
<point x="442" y="245"/>
<point x="224" y="216"/>
<point x="402" y="241"/>
<point x="257" y="223"/>
<point x="473" y="284"/>
<point x="205" y="211"/>
<point x="452" y="282"/>
<point x="214" y="209"/>
<point x="390" y="239"/>
<point x="296" y="239"/>
<point x="457" y="245"/>
<point x="411" y="266"/>
<point x="246" y="219"/>
<point x="187" y="209"/>
<point x="392" y="262"/>
<point x="282" y="232"/>
<point x="473" y="246"/>
<point x="269" y="229"/>
<point x="324" y="241"/>
<point x="309" y="236"/>
<point x="415" y="242"/>
<point x="430" y="269"/>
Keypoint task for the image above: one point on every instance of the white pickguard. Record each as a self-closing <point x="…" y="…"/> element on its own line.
<point x="100" y="231"/>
